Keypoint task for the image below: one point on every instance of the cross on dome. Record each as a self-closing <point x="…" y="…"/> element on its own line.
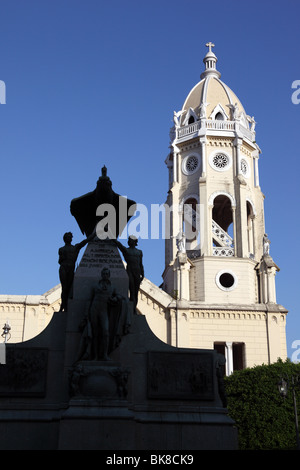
<point x="210" y="45"/>
<point x="210" y="61"/>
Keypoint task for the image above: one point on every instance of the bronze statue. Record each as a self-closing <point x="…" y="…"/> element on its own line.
<point x="84" y="207"/>
<point x="68" y="255"/>
<point x="104" y="314"/>
<point x="135" y="269"/>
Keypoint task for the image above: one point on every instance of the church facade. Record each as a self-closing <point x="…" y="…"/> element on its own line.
<point x="218" y="289"/>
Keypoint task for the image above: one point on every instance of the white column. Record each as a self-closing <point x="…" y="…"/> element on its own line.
<point x="253" y="235"/>
<point x="209" y="244"/>
<point x="271" y="273"/>
<point x="203" y="154"/>
<point x="175" y="163"/>
<point x="238" y="158"/>
<point x="234" y="230"/>
<point x="256" y="172"/>
<point x="229" y="358"/>
<point x="238" y="143"/>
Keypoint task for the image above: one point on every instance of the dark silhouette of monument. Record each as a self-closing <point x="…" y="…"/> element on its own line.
<point x="97" y="377"/>
<point x="134" y="268"/>
<point x="84" y="208"/>
<point x="67" y="257"/>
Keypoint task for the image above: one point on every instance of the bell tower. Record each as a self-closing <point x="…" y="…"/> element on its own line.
<point x="217" y="258"/>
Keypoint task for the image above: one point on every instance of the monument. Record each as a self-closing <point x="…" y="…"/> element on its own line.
<point x="97" y="378"/>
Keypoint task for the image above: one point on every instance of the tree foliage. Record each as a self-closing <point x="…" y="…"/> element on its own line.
<point x="264" y="419"/>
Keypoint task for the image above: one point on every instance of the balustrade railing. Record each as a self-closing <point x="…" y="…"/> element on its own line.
<point x="220" y="125"/>
<point x="213" y="125"/>
<point x="223" y="251"/>
<point x="221" y="235"/>
<point x="187" y="130"/>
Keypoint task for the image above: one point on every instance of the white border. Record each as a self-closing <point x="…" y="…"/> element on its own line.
<point x="226" y="289"/>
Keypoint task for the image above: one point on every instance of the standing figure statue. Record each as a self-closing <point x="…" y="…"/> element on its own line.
<point x="104" y="314"/>
<point x="266" y="244"/>
<point x="68" y="255"/>
<point x="135" y="269"/>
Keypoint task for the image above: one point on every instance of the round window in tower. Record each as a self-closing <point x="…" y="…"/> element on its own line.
<point x="190" y="164"/>
<point x="226" y="280"/>
<point x="220" y="161"/>
<point x="244" y="168"/>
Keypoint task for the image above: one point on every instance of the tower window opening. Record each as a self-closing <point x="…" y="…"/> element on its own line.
<point x="250" y="226"/>
<point x="190" y="223"/>
<point x="222" y="220"/>
<point x="189" y="215"/>
<point x="226" y="280"/>
<point x="222" y="212"/>
<point x="191" y="120"/>
<point x="219" y="117"/>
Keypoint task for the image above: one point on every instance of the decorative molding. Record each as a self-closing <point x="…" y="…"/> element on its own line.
<point x="219" y="141"/>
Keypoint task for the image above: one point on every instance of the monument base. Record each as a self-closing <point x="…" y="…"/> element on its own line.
<point x="151" y="396"/>
<point x="148" y="396"/>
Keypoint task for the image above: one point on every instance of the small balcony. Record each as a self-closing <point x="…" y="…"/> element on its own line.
<point x="213" y="126"/>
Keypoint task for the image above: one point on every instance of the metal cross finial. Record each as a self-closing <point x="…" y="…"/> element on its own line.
<point x="210" y="45"/>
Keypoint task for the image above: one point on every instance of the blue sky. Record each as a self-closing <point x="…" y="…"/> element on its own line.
<point x="94" y="82"/>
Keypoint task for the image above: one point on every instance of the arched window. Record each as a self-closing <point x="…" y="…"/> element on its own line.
<point x="222" y="213"/>
<point x="189" y="216"/>
<point x="222" y="226"/>
<point x="250" y="227"/>
<point x="191" y="222"/>
<point x="219" y="117"/>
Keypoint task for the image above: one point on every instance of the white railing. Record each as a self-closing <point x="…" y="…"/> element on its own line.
<point x="188" y="130"/>
<point x="221" y="235"/>
<point x="247" y="133"/>
<point x="223" y="251"/>
<point x="220" y="125"/>
<point x="213" y="125"/>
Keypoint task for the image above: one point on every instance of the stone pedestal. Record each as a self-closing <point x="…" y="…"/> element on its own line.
<point x="98" y="255"/>
<point x="104" y="380"/>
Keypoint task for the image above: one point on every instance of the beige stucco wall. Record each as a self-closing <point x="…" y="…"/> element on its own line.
<point x="203" y="285"/>
<point x="192" y="324"/>
<point x="28" y="315"/>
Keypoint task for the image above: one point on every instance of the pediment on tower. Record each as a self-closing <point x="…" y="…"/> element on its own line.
<point x="219" y="113"/>
<point x="190" y="117"/>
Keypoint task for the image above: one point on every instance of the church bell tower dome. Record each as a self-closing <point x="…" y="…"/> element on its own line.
<point x="212" y="99"/>
<point x="217" y="223"/>
<point x="218" y="269"/>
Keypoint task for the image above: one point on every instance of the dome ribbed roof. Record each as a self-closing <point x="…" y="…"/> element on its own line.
<point x="211" y="93"/>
